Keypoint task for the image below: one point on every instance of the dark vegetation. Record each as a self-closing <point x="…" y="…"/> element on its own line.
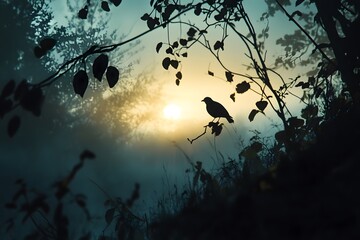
<point x="301" y="185"/>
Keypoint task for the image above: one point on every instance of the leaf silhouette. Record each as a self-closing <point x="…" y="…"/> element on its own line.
<point x="166" y="63"/>
<point x="158" y="46"/>
<point x="197" y="10"/>
<point x="83" y="12"/>
<point x="87" y="154"/>
<point x="112" y="76"/>
<point x="183" y="42"/>
<point x="232" y="96"/>
<point x="32" y="101"/>
<point x="116" y="2"/>
<point x="296" y="122"/>
<point x="8" y="88"/>
<point x="99" y="66"/>
<point x="174" y="63"/>
<point x="253" y="114"/>
<point x="210" y="73"/>
<point x="109" y="215"/>
<point x="80" y="82"/>
<point x="177" y="82"/>
<point x="47" y="43"/>
<point x="218" y="45"/>
<point x="229" y="76"/>
<point x="242" y="87"/>
<point x="105" y="6"/>
<point x="39" y="52"/>
<point x="13" y="125"/>
<point x="179" y="75"/>
<point x="145" y="17"/>
<point x="191" y="32"/>
<point x="261" y="105"/>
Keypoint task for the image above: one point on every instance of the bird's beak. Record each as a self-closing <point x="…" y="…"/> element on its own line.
<point x="203" y="100"/>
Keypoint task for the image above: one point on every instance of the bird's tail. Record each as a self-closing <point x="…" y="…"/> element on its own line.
<point x="230" y="119"/>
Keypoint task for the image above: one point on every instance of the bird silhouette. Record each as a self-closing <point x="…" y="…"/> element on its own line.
<point x="216" y="110"/>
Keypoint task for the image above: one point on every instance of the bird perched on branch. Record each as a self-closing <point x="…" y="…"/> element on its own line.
<point x="216" y="110"/>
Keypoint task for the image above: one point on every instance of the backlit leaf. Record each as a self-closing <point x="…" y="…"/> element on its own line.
<point x="197" y="10"/>
<point x="99" y="66"/>
<point x="229" y="76"/>
<point x="105" y="6"/>
<point x="232" y="96"/>
<point x="39" y="52"/>
<point x="13" y="125"/>
<point x="47" y="43"/>
<point x="158" y="46"/>
<point x="80" y="82"/>
<point x="183" y="42"/>
<point x="145" y="17"/>
<point x="191" y="32"/>
<point x="112" y="76"/>
<point x="218" y="45"/>
<point x="174" y="63"/>
<point x="179" y="75"/>
<point x="242" y="87"/>
<point x="166" y="63"/>
<point x="253" y="114"/>
<point x="83" y="13"/>
<point x="87" y="154"/>
<point x="261" y="105"/>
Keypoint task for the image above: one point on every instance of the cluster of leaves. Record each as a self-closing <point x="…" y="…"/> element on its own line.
<point x="99" y="67"/>
<point x="177" y="50"/>
<point x="34" y="204"/>
<point x="83" y="13"/>
<point x="28" y="96"/>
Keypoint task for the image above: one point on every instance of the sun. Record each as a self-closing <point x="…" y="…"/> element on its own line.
<point x="172" y="111"/>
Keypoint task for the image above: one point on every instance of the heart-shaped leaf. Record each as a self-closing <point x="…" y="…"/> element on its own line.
<point x="261" y="105"/>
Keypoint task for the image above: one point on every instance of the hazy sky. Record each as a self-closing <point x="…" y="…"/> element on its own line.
<point x="43" y="152"/>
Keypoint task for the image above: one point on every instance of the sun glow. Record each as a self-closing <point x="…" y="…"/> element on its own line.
<point x="172" y="111"/>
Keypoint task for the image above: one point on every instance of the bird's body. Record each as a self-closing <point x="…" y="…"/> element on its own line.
<point x="216" y="110"/>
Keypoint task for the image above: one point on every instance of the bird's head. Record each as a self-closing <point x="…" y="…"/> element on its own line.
<point x="207" y="100"/>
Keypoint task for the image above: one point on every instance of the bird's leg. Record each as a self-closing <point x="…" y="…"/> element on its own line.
<point x="217" y="120"/>
<point x="214" y="119"/>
